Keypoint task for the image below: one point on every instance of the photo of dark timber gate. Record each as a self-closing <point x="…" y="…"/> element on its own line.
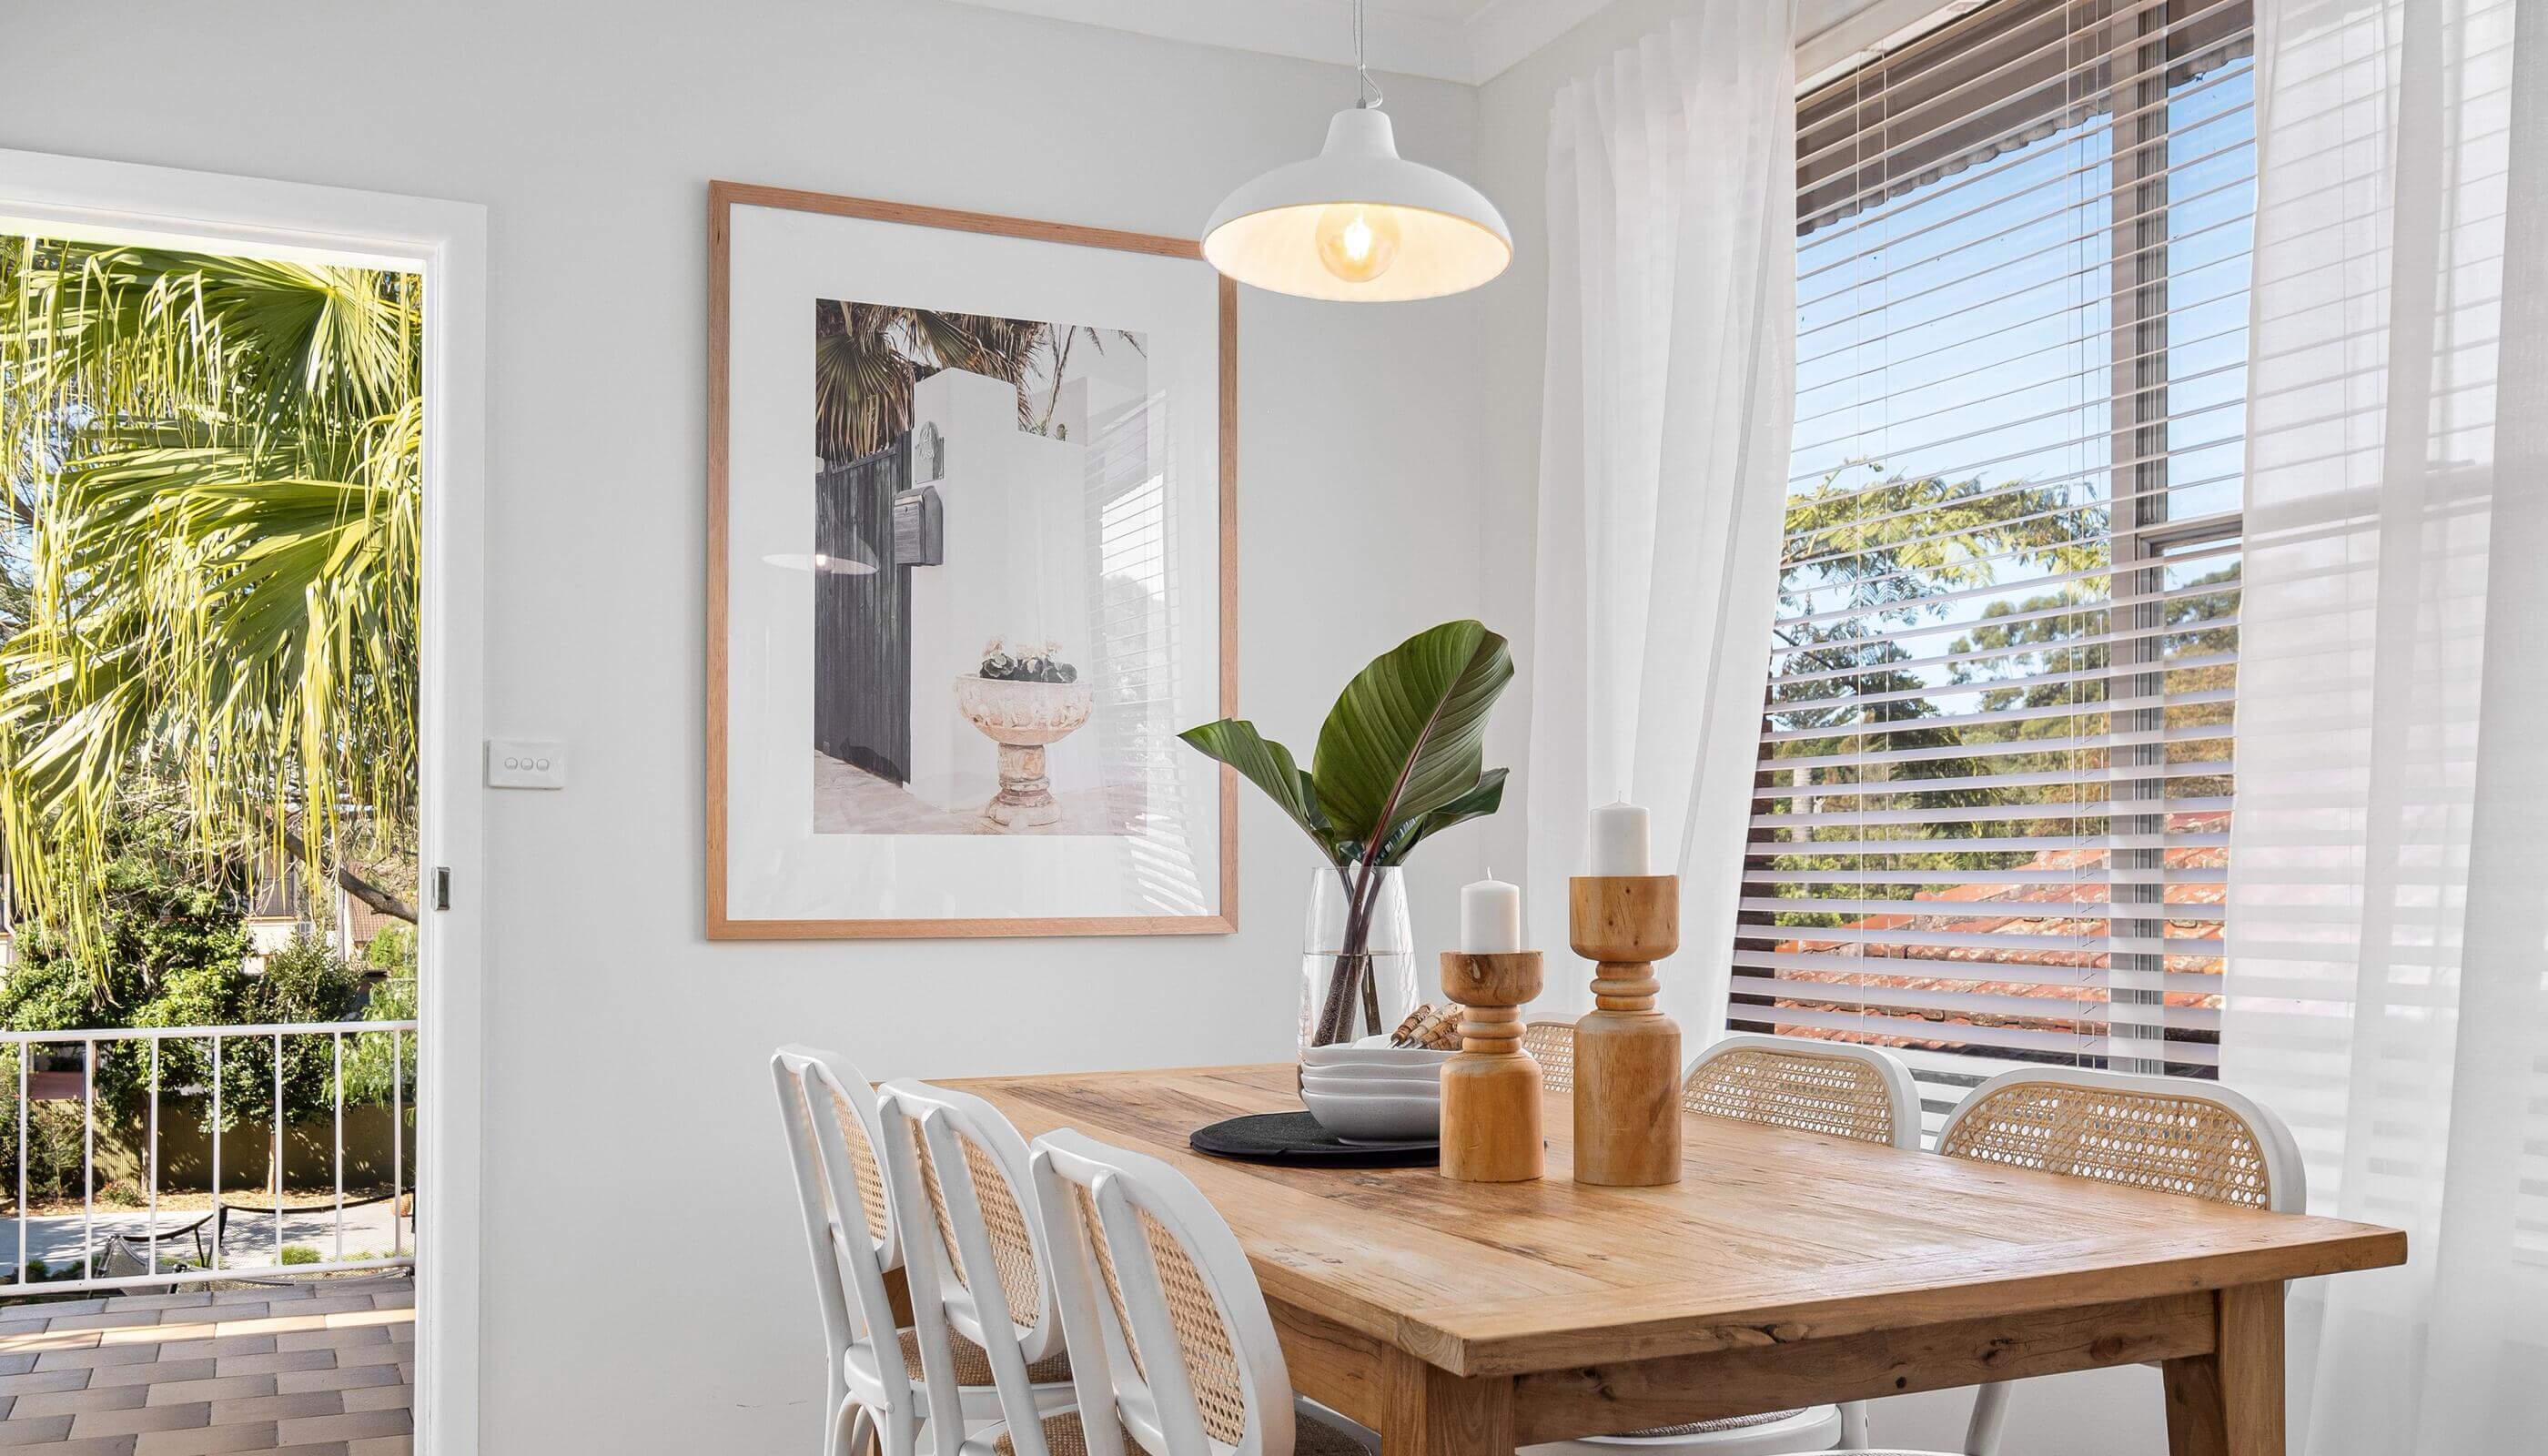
<point x="861" y="619"/>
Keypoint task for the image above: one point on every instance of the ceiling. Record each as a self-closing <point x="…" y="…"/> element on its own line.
<point x="1469" y="40"/>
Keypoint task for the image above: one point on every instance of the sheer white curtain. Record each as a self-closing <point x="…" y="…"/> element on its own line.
<point x="2388" y="920"/>
<point x="1662" y="464"/>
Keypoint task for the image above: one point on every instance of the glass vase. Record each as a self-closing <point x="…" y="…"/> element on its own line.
<point x="1357" y="956"/>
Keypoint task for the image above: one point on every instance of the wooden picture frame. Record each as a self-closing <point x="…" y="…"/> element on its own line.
<point x="724" y="919"/>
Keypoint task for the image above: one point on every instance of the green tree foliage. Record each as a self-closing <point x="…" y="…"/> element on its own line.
<point x="1885" y="560"/>
<point x="376" y="1061"/>
<point x="304" y="981"/>
<point x="163" y="913"/>
<point x="213" y="464"/>
<point x="173" y="951"/>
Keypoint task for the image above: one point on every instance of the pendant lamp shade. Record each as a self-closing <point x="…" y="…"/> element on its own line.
<point x="1358" y="223"/>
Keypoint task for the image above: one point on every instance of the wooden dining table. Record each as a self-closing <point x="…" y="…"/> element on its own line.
<point x="1784" y="1270"/>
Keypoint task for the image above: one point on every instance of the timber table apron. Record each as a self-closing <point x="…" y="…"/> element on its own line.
<point x="1785" y="1269"/>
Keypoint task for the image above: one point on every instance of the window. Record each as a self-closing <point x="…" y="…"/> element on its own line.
<point x="1992" y="814"/>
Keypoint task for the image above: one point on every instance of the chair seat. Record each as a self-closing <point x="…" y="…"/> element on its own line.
<point x="1062" y="1436"/>
<point x="973" y="1366"/>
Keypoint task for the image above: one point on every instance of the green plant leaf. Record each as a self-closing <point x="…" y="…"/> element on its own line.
<point x="1407" y="736"/>
<point x="1270" y="766"/>
<point x="1476" y="804"/>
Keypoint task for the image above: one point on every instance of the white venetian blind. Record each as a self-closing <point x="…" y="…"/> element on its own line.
<point x="1995" y="782"/>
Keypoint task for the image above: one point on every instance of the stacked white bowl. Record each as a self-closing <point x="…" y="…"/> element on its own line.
<point x="1369" y="1091"/>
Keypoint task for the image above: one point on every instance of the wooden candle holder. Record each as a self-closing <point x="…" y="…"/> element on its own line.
<point x="1491" y="1121"/>
<point x="1627" y="1054"/>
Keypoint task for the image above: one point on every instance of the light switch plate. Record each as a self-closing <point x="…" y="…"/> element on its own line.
<point x="525" y="762"/>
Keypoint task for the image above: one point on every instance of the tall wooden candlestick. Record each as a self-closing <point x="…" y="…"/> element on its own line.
<point x="1490" y="1124"/>
<point x="1627" y="1054"/>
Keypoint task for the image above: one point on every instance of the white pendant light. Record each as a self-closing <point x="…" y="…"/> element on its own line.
<point x="1358" y="222"/>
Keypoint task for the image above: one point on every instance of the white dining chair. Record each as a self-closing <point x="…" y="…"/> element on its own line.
<point x="983" y="1315"/>
<point x="830" y="1116"/>
<point x="1862" y="1093"/>
<point x="1173" y="1350"/>
<point x="2174" y="1134"/>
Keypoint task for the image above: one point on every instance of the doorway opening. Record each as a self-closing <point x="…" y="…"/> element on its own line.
<point x="230" y="825"/>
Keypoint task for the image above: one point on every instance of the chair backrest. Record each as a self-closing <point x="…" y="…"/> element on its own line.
<point x="849" y="1231"/>
<point x="1835" y="1087"/>
<point x="1551" y="1044"/>
<point x="2176" y="1135"/>
<point x="1168" y="1329"/>
<point x="959" y="1168"/>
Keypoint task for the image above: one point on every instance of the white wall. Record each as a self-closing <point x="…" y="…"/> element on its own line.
<point x="644" y="1285"/>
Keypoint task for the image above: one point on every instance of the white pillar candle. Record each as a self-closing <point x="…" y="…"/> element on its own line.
<point x="1619" y="839"/>
<point x="1490" y="917"/>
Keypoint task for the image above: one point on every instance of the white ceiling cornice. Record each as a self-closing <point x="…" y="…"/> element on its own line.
<point x="1465" y="41"/>
<point x="1504" y="32"/>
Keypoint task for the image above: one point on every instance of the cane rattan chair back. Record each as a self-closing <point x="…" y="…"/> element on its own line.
<point x="1856" y="1092"/>
<point x="2174" y="1134"/>
<point x="994" y="1163"/>
<point x="977" y="1257"/>
<point x="1863" y="1093"/>
<point x="1168" y="1329"/>
<point x="1551" y="1044"/>
<point x="847" y="1234"/>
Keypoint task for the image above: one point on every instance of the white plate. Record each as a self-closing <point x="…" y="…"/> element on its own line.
<point x="1333" y="1058"/>
<point x="1425" y="1083"/>
<point x="1376" y="1118"/>
<point x="1360" y="1071"/>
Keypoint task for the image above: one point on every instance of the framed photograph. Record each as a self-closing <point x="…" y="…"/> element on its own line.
<point x="971" y="565"/>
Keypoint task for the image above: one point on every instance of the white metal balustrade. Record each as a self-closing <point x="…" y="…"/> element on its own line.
<point x="220" y="1260"/>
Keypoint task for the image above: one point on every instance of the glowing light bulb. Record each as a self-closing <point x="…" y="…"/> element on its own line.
<point x="1357" y="243"/>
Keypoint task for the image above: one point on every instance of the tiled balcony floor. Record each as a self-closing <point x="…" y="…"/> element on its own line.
<point x="325" y="1368"/>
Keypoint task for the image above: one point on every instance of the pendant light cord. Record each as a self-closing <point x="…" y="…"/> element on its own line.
<point x="1367" y="94"/>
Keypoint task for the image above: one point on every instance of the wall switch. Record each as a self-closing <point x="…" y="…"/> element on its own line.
<point x="525" y="762"/>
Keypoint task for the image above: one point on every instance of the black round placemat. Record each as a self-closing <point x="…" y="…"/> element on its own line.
<point x="1297" y="1137"/>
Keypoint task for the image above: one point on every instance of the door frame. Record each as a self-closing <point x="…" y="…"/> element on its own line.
<point x="205" y="212"/>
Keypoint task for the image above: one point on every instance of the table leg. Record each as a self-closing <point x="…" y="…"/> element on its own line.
<point x="2230" y="1402"/>
<point x="1427" y="1411"/>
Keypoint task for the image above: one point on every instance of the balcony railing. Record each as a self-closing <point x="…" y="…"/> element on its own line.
<point x="143" y="1090"/>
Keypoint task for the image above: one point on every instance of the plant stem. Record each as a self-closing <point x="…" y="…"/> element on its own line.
<point x="1353" y="962"/>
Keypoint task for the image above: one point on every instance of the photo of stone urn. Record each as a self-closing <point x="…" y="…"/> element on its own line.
<point x="1021" y="717"/>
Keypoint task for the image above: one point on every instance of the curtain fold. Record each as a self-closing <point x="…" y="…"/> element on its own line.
<point x="2387" y="901"/>
<point x="1669" y="399"/>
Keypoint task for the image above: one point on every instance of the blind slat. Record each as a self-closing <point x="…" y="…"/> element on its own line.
<point x="1876" y="875"/>
<point x="2069" y="779"/>
<point x="2013" y="909"/>
<point x="1974" y="973"/>
<point x="2072" y="645"/>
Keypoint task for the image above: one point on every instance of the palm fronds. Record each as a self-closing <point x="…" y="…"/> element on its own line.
<point x="868" y="356"/>
<point x="216" y="470"/>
